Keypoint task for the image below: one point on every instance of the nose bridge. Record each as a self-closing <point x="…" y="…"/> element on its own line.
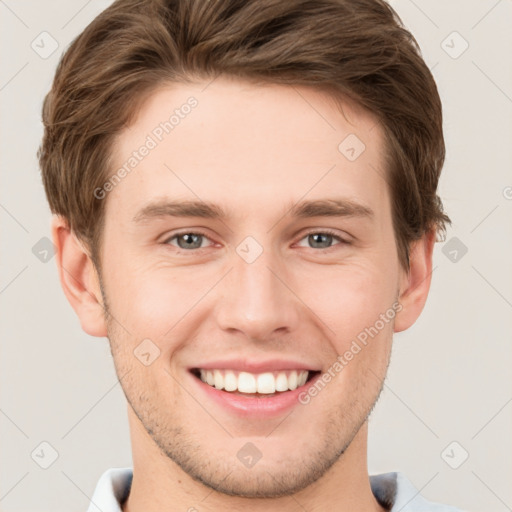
<point x="255" y="299"/>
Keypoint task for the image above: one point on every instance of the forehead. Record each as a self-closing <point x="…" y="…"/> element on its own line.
<point x="252" y="146"/>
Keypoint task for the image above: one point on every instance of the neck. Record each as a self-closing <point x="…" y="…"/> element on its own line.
<point x="160" y="484"/>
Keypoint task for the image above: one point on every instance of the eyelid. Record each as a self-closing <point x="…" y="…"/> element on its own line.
<point x="187" y="232"/>
<point x="323" y="231"/>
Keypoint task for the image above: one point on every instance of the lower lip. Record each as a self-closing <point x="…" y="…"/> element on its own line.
<point x="252" y="406"/>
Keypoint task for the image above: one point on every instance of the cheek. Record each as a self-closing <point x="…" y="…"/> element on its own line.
<point x="150" y="302"/>
<point x="348" y="299"/>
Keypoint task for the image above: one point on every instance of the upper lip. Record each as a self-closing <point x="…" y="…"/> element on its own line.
<point x="254" y="366"/>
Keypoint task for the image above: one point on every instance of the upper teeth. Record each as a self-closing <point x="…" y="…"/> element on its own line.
<point x="268" y="382"/>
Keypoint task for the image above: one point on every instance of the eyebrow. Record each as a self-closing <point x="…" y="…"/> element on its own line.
<point x="207" y="210"/>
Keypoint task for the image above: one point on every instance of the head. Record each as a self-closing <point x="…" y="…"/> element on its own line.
<point x="308" y="135"/>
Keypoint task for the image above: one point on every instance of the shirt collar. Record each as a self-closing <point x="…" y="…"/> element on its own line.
<point x="392" y="490"/>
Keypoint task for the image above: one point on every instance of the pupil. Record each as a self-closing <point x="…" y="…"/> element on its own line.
<point x="190" y="238"/>
<point x="327" y="238"/>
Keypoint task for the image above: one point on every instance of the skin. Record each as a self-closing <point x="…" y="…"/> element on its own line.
<point x="254" y="150"/>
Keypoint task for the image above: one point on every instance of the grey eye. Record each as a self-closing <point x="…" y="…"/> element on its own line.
<point x="318" y="240"/>
<point x="189" y="240"/>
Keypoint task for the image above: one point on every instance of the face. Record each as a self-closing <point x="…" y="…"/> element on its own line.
<point x="250" y="247"/>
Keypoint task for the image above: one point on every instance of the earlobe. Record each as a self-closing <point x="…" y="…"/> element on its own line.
<point x="416" y="284"/>
<point x="78" y="278"/>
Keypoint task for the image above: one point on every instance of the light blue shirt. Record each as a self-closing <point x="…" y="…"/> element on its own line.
<point x="392" y="490"/>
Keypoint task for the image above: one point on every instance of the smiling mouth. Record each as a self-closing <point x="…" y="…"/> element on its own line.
<point x="266" y="384"/>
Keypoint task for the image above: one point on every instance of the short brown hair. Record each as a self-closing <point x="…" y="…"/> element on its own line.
<point x="356" y="49"/>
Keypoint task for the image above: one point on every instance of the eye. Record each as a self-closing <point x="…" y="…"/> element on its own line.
<point x="190" y="240"/>
<point x="187" y="240"/>
<point x="323" y="239"/>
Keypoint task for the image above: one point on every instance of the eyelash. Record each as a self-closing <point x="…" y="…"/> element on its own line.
<point x="321" y="232"/>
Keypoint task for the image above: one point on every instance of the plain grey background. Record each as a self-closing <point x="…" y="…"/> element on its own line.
<point x="445" y="415"/>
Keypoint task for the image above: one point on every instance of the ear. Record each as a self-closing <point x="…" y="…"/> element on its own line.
<point x="79" y="278"/>
<point x="415" y="285"/>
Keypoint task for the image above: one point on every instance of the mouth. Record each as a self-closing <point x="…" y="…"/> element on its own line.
<point x="254" y="385"/>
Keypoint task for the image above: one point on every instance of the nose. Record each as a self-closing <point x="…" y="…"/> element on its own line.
<point x="257" y="299"/>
